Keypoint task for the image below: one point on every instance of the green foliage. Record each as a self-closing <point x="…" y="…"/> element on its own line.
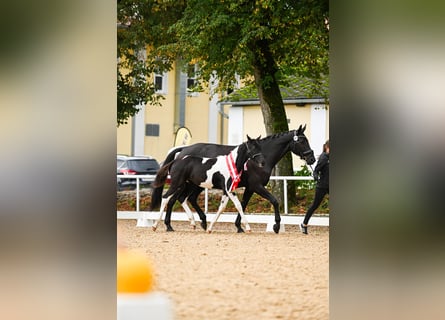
<point x="306" y="190"/>
<point x="304" y="185"/>
<point x="142" y="24"/>
<point x="227" y="37"/>
<point x="133" y="90"/>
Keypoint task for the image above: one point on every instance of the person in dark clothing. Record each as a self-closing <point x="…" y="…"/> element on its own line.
<point x="321" y="176"/>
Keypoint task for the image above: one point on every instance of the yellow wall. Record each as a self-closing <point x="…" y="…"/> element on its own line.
<point x="124" y="139"/>
<point x="158" y="147"/>
<point x="196" y="120"/>
<point x="299" y="116"/>
<point x="197" y="116"/>
<point x="253" y="124"/>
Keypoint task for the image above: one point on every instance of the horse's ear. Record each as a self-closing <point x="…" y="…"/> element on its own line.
<point x="259" y="137"/>
<point x="301" y="129"/>
<point x="248" y="138"/>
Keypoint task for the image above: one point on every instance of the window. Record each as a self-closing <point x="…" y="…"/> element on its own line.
<point x="160" y="82"/>
<point x="192" y="83"/>
<point x="152" y="130"/>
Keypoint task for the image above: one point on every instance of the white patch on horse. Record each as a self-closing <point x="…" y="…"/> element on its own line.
<point x="206" y="185"/>
<point x="220" y="167"/>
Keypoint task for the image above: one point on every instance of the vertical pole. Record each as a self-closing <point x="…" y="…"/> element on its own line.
<point x="137" y="194"/>
<point x="285" y="195"/>
<point x="206" y="202"/>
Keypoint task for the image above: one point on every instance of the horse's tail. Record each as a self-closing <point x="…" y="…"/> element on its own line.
<point x="156" y="197"/>
<point x="173" y="152"/>
<point x="161" y="177"/>
<point x="158" y="185"/>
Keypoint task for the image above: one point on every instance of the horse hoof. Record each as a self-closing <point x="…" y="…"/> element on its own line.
<point x="276" y="228"/>
<point x="193" y="227"/>
<point x="240" y="231"/>
<point x="153" y="228"/>
<point x="170" y="229"/>
<point x="249" y="231"/>
<point x="209" y="231"/>
<point x="204" y="225"/>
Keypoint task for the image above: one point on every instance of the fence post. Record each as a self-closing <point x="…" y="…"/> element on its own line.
<point x="137" y="194"/>
<point x="285" y="195"/>
<point x="206" y="201"/>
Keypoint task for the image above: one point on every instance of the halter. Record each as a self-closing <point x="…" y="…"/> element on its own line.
<point x="295" y="136"/>
<point x="304" y="153"/>
<point x="248" y="152"/>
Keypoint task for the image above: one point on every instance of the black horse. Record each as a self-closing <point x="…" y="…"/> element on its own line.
<point x="221" y="172"/>
<point x="273" y="147"/>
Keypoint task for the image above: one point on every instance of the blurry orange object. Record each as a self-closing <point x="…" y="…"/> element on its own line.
<point x="134" y="272"/>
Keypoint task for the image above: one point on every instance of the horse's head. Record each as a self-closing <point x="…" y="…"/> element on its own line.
<point x="300" y="146"/>
<point x="254" y="151"/>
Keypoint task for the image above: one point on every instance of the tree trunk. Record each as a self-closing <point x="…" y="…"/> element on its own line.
<point x="274" y="114"/>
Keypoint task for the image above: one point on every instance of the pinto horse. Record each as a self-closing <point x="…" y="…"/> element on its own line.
<point x="254" y="180"/>
<point x="222" y="172"/>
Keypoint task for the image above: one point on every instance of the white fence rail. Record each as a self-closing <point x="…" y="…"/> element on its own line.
<point x="181" y="216"/>
<point x="152" y="177"/>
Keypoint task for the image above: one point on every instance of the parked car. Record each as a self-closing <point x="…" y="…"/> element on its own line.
<point x="135" y="165"/>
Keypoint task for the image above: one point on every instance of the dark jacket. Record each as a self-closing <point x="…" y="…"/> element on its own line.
<point x="321" y="171"/>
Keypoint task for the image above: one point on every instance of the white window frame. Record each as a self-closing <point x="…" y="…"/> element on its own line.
<point x="164" y="81"/>
<point x="195" y="70"/>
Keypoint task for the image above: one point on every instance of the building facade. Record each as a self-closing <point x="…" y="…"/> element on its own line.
<point x="153" y="130"/>
<point x="245" y="117"/>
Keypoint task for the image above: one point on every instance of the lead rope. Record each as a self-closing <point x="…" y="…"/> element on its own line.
<point x="310" y="166"/>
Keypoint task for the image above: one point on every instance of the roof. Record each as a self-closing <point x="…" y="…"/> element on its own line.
<point x="293" y="90"/>
<point x="125" y="157"/>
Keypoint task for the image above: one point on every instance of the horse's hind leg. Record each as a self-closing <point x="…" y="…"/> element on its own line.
<point x="193" y="199"/>
<point x="168" y="214"/>
<point x="174" y="193"/>
<point x="262" y="191"/>
<point x="165" y="199"/>
<point x="189" y="213"/>
<point x="182" y="198"/>
<point x="161" y="211"/>
<point x="222" y="206"/>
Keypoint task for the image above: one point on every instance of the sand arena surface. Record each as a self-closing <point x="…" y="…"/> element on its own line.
<point x="225" y="275"/>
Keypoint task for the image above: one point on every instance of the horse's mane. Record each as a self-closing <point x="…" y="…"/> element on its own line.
<point x="276" y="135"/>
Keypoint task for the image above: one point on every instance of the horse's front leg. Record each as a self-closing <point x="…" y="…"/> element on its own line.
<point x="246" y="197"/>
<point x="238" y="206"/>
<point x="222" y="206"/>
